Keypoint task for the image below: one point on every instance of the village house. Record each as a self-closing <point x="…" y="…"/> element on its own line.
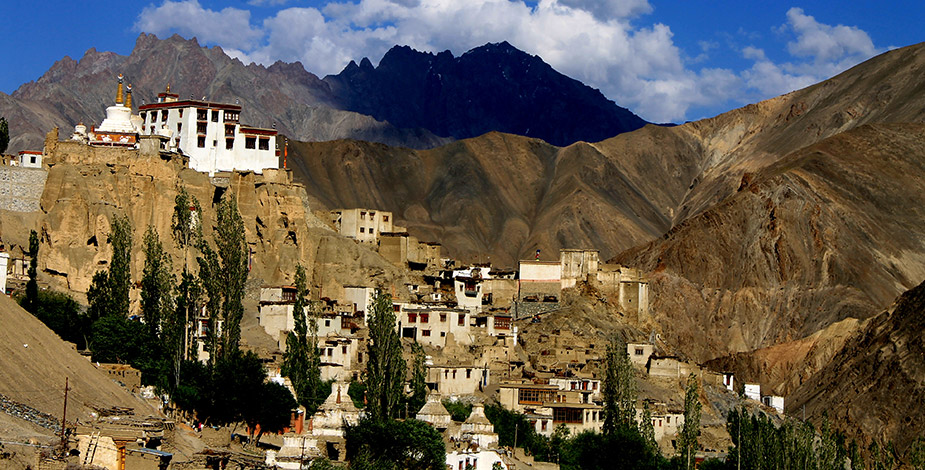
<point x="774" y="401"/>
<point x="456" y="380"/>
<point x="542" y="424"/>
<point x="363" y="225"/>
<point x="404" y="250"/>
<point x="360" y="297"/>
<point x="540" y="281"/>
<point x="669" y="366"/>
<point x="210" y="134"/>
<point x="124" y="374"/>
<point x="753" y="392"/>
<point x="29" y="159"/>
<point x="434" y="326"/>
<point x="294" y="453"/>
<point x="577" y="417"/>
<point x="528" y="397"/>
<point x="666" y="422"/>
<point x="588" y="389"/>
<point x="340" y="356"/>
<point x="639" y="353"/>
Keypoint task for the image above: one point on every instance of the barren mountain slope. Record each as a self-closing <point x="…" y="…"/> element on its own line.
<point x="886" y="88"/>
<point x="504" y="196"/>
<point x="832" y="231"/>
<point x="34" y="363"/>
<point x="875" y="386"/>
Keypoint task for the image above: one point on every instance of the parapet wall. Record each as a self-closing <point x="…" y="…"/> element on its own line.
<point x="21" y="188"/>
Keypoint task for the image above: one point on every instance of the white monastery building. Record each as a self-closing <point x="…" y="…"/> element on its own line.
<point x="210" y="134"/>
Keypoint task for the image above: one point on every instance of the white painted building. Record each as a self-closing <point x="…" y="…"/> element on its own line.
<point x="360" y="297"/>
<point x="362" y="225"/>
<point x="774" y="401"/>
<point x="30" y="159"/>
<point x="457" y="379"/>
<point x="4" y="261"/>
<point x="753" y="392"/>
<point x="476" y="460"/>
<point x="210" y="134"/>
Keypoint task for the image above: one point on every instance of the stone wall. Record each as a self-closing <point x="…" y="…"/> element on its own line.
<point x="21" y="188"/>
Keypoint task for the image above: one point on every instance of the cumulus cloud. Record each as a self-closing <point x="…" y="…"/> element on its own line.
<point x="229" y="27"/>
<point x="595" y="41"/>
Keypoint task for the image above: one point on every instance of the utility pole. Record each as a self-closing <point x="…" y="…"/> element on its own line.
<point x="64" y="418"/>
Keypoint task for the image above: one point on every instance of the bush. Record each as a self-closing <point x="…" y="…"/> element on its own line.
<point x="459" y="411"/>
<point x="392" y="444"/>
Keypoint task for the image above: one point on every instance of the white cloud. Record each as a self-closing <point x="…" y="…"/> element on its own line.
<point x="229" y="27"/>
<point x="594" y="41"/>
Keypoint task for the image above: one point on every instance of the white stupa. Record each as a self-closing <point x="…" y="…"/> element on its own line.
<point x="119" y="115"/>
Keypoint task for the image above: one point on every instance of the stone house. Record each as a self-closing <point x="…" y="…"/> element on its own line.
<point x="363" y="225"/>
<point x="577" y="417"/>
<point x="434" y="326"/>
<point x="639" y="353"/>
<point x="29" y="159"/>
<point x="669" y="366"/>
<point x="454" y="380"/>
<point x="528" y="397"/>
<point x="124" y="374"/>
<point x="588" y="389"/>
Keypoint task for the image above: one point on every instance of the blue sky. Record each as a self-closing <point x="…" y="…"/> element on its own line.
<point x="665" y="60"/>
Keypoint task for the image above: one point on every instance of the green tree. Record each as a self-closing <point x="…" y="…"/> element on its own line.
<point x="690" y="430"/>
<point x="120" y="271"/>
<point x="618" y="388"/>
<point x="99" y="296"/>
<point x="390" y="444"/>
<point x="4" y="135"/>
<point x="458" y="410"/>
<point x="647" y="428"/>
<point x="188" y="300"/>
<point x="301" y="361"/>
<point x="418" y="379"/>
<point x="187" y="233"/>
<point x="212" y="285"/>
<point x="385" y="370"/>
<point x="157" y="290"/>
<point x="272" y="410"/>
<point x="61" y="313"/>
<point x="233" y="251"/>
<point x="32" y="286"/>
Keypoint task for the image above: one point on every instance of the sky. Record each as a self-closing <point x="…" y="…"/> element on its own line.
<point x="668" y="61"/>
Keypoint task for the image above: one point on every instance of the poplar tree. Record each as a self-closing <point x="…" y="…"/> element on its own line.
<point x="187" y="233"/>
<point x="647" y="429"/>
<point x="688" y="437"/>
<point x="32" y="287"/>
<point x="211" y="281"/>
<point x="120" y="271"/>
<point x="385" y="370"/>
<point x="233" y="251"/>
<point x="618" y="389"/>
<point x="418" y="379"/>
<point x="301" y="362"/>
<point x="157" y="289"/>
<point x="4" y="135"/>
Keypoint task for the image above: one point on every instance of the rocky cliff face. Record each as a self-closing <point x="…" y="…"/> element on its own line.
<point x="495" y="87"/>
<point x="875" y="385"/>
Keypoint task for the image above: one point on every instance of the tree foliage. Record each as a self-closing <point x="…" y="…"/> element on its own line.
<point x="690" y="431"/>
<point x="185" y="224"/>
<point x="301" y="361"/>
<point x="390" y="444"/>
<point x="61" y="314"/>
<point x="647" y="428"/>
<point x="157" y="289"/>
<point x="32" y="286"/>
<point x="618" y="388"/>
<point x="120" y="267"/>
<point x="4" y="134"/>
<point x="385" y="370"/>
<point x="458" y="410"/>
<point x="418" y="379"/>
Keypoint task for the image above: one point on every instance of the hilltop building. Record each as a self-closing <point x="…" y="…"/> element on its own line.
<point x="210" y="133"/>
<point x="363" y="225"/>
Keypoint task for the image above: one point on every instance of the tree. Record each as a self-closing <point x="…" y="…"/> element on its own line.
<point x="391" y="444"/>
<point x="233" y="251"/>
<point x="61" y="313"/>
<point x="157" y="289"/>
<point x="32" y="287"/>
<point x="687" y="438"/>
<point x="418" y="379"/>
<point x="385" y="370"/>
<point x="187" y="233"/>
<point x="647" y="428"/>
<point x="120" y="274"/>
<point x="618" y="388"/>
<point x="4" y="135"/>
<point x="273" y="410"/>
<point x="301" y="361"/>
<point x="211" y="281"/>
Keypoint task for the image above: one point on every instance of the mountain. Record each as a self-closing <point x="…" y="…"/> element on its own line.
<point x="495" y="87"/>
<point x="412" y="99"/>
<point x="877" y="381"/>
<point x="760" y="226"/>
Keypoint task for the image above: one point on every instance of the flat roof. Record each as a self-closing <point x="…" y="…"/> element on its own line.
<point x="535" y="386"/>
<point x="190" y="104"/>
<point x="586" y="406"/>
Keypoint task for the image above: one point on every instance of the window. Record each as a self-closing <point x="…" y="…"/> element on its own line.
<point x="372" y="215"/>
<point x="543" y="424"/>
<point x="442" y="334"/>
<point x="264" y="143"/>
<point x="201" y="115"/>
<point x="179" y="127"/>
<point x="201" y="141"/>
<point x="152" y="129"/>
<point x="425" y="317"/>
<point x="229" y="144"/>
<point x="385" y="218"/>
<point x="412" y="317"/>
<point x="229" y="130"/>
<point x="143" y="115"/>
<point x="371" y="230"/>
<point x="32" y="159"/>
<point x="462" y="320"/>
<point x="231" y="116"/>
<point x="362" y="215"/>
<point x="443" y="317"/>
<point x="214" y="115"/>
<point x="163" y="115"/>
<point x="201" y="128"/>
<point x="327" y="323"/>
<point x="425" y="332"/>
<point x="359" y="357"/>
<point x="343" y="349"/>
<point x="181" y="112"/>
<point x="639" y="351"/>
<point x="454" y="374"/>
<point x="468" y="373"/>
<point x="362" y="229"/>
<point x="250" y="142"/>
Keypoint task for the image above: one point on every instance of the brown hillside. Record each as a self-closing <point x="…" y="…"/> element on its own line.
<point x="34" y="362"/>
<point x="830" y="232"/>
<point x="875" y="386"/>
